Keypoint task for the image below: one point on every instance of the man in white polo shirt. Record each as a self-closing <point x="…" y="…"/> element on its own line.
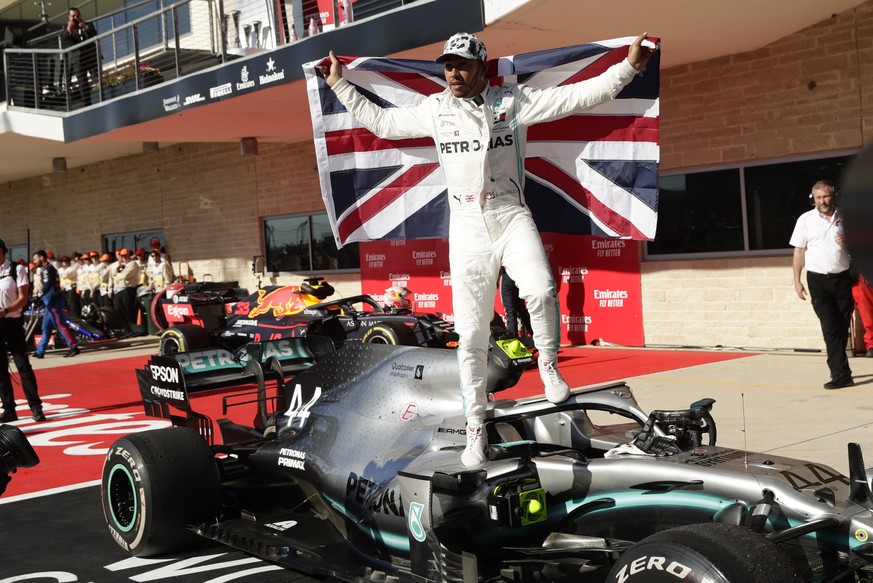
<point x="818" y="243"/>
<point x="14" y="288"/>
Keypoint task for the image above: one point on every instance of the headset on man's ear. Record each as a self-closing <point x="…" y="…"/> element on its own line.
<point x="835" y="195"/>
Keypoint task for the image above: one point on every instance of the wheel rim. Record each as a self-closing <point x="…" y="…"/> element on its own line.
<point x="378" y="339"/>
<point x="121" y="497"/>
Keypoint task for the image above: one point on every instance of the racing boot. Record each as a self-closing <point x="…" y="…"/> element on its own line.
<point x="477" y="443"/>
<point x="557" y="389"/>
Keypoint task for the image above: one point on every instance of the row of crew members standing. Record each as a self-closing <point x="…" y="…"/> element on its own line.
<point x="95" y="278"/>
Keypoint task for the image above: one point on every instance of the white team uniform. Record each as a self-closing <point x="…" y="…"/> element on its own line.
<point x="481" y="151"/>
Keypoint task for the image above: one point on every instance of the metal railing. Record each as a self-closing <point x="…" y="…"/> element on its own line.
<point x="108" y="21"/>
<point x="165" y="44"/>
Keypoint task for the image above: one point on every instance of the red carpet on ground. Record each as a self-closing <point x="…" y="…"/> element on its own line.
<point x="588" y="365"/>
<point x="91" y="405"/>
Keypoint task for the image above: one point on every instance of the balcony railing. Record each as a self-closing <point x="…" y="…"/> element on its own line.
<point x="164" y="44"/>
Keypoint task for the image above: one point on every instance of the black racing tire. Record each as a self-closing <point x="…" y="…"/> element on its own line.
<point x="712" y="552"/>
<point x="155" y="485"/>
<point x="388" y="332"/>
<point x="184" y="338"/>
<point x="111" y="320"/>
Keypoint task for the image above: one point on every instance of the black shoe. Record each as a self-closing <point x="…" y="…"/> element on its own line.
<point x="869" y="353"/>
<point x="37" y="355"/>
<point x="839" y="383"/>
<point x="8" y="416"/>
<point x="73" y="352"/>
<point x="38" y="416"/>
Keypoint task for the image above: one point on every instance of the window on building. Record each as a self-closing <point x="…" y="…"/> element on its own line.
<point x="305" y="243"/>
<point x="699" y="213"/>
<point x="133" y="241"/>
<point x="733" y="211"/>
<point x="776" y="194"/>
<point x="16" y="252"/>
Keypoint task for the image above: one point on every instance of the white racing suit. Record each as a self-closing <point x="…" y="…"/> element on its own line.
<point x="481" y="151"/>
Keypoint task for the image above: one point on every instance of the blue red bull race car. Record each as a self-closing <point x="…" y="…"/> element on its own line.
<point x="221" y="315"/>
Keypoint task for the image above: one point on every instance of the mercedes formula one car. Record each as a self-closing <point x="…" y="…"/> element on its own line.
<point x="352" y="470"/>
<point x="278" y="312"/>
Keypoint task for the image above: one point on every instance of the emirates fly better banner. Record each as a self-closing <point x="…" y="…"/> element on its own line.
<point x="597" y="279"/>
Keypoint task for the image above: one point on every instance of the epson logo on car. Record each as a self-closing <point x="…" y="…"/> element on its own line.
<point x="164" y="374"/>
<point x="647" y="563"/>
<point x="179" y="310"/>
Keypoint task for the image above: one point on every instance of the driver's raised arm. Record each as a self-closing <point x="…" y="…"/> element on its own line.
<point x="542" y="105"/>
<point x="386" y="122"/>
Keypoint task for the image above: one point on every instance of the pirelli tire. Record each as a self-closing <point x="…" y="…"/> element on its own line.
<point x="388" y="332"/>
<point x="155" y="486"/>
<point x="183" y="338"/>
<point x="704" y="553"/>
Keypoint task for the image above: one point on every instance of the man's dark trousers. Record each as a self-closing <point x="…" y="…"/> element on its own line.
<point x="12" y="342"/>
<point x="833" y="303"/>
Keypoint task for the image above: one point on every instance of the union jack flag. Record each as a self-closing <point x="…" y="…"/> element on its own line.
<point x="590" y="174"/>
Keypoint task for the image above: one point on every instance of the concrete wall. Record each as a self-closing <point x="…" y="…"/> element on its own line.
<point x="742" y="302"/>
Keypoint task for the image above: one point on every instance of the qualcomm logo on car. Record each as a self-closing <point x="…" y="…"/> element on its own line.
<point x="244" y="77"/>
<point x="272" y="74"/>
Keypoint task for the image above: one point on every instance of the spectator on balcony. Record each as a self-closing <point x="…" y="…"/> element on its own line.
<point x="85" y="62"/>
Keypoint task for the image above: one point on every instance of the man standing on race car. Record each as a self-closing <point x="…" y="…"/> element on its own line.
<point x="55" y="315"/>
<point x="490" y="224"/>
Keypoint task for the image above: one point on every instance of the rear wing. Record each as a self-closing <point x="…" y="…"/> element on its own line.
<point x="167" y="382"/>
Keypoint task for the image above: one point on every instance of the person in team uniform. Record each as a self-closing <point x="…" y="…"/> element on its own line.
<point x="818" y="242"/>
<point x="54" y="316"/>
<point x="161" y="272"/>
<point x="125" y="281"/>
<point x="490" y="225"/>
<point x="14" y="295"/>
